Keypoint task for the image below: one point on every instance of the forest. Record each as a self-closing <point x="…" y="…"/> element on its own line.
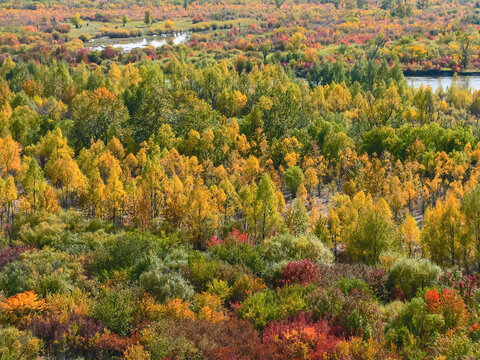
<point x="263" y="184"/>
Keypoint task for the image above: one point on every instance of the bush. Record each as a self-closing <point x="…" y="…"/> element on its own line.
<point x="44" y="272"/>
<point x="239" y="253"/>
<point x="301" y="332"/>
<point x="326" y="303"/>
<point x="115" y="308"/>
<point x="410" y="275"/>
<point x="165" y="285"/>
<point x="200" y="270"/>
<point x="375" y="278"/>
<point x="414" y="323"/>
<point x="268" y="305"/>
<point x="450" y="305"/>
<point x="200" y="339"/>
<point x="289" y="247"/>
<point x="11" y="253"/>
<point x="16" y="344"/>
<point x="85" y="37"/>
<point x="74" y="335"/>
<point x="244" y="286"/>
<point x="124" y="250"/>
<point x="361" y="317"/>
<point x="347" y="285"/>
<point x="63" y="28"/>
<point x="299" y="272"/>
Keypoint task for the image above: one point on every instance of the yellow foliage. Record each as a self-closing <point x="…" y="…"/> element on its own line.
<point x="22" y="306"/>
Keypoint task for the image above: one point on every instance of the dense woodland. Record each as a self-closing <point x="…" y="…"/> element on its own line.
<point x="271" y="189"/>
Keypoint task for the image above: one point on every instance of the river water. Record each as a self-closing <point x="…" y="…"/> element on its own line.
<point x="137" y="43"/>
<point x="472" y="82"/>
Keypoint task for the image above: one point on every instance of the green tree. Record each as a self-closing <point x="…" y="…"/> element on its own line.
<point x="266" y="217"/>
<point x="297" y="219"/>
<point x="148" y="19"/>
<point x="293" y="178"/>
<point x="471" y="209"/>
<point x="373" y="233"/>
<point x="34" y="183"/>
<point x="99" y="115"/>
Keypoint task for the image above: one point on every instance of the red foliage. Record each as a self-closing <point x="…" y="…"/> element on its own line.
<point x="433" y="301"/>
<point x="235" y="237"/>
<point x="113" y="344"/>
<point x="11" y="253"/>
<point x="74" y="334"/>
<point x="465" y="285"/>
<point x="299" y="272"/>
<point x="450" y="304"/>
<point x="301" y="337"/>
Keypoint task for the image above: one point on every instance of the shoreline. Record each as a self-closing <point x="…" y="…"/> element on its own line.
<point x="439" y="73"/>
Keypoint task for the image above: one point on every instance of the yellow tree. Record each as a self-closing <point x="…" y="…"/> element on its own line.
<point x="443" y="232"/>
<point x="64" y="172"/>
<point x="175" y="205"/>
<point x="95" y="196"/>
<point x="9" y="156"/>
<point x="397" y="196"/>
<point x="153" y="184"/>
<point x="410" y="234"/>
<point x="202" y="215"/>
<point x="115" y="195"/>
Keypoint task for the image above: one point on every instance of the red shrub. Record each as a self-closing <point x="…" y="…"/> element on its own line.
<point x="301" y="338"/>
<point x="75" y="335"/>
<point x="299" y="272"/>
<point x="113" y="344"/>
<point x="465" y="285"/>
<point x="450" y="304"/>
<point x="11" y="253"/>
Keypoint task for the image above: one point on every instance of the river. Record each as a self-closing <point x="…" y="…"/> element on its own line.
<point x="137" y="43"/>
<point x="472" y="81"/>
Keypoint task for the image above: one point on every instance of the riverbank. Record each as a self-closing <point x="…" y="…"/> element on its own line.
<point x="439" y="73"/>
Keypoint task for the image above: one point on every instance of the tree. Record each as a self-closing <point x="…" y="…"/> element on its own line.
<point x="410" y="234"/>
<point x="9" y="195"/>
<point x="64" y="172"/>
<point x="423" y="4"/>
<point x="115" y="195"/>
<point x="293" y="178"/>
<point x="125" y="19"/>
<point x="297" y="218"/>
<point x="34" y="183"/>
<point x="471" y="210"/>
<point x="372" y="234"/>
<point x="467" y="47"/>
<point x="334" y="228"/>
<point x="202" y="215"/>
<point x="97" y="115"/>
<point x="9" y="156"/>
<point x="148" y="17"/>
<point x="443" y="232"/>
<point x="76" y="21"/>
<point x="266" y="217"/>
